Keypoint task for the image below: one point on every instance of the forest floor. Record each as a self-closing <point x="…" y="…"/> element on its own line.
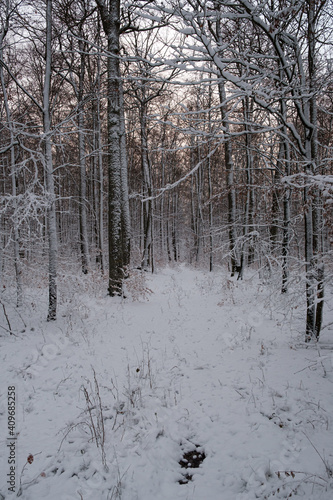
<point x="196" y="386"/>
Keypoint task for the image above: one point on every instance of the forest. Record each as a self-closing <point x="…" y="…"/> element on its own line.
<point x="139" y="133"/>
<point x="166" y="243"/>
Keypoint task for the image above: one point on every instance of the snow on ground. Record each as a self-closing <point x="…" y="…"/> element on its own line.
<point x="111" y="397"/>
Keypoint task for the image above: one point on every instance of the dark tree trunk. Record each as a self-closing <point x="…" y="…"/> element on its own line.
<point x="118" y="195"/>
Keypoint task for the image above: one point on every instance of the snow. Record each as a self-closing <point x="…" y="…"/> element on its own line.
<point x="189" y="359"/>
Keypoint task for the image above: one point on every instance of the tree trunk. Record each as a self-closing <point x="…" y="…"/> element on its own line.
<point x="11" y="126"/>
<point x="303" y="86"/>
<point x="48" y="165"/>
<point x="229" y="164"/>
<point x="118" y="194"/>
<point x="274" y="226"/>
<point x="313" y="219"/>
<point x="99" y="174"/>
<point x="248" y="217"/>
<point x="82" y="161"/>
<point x="286" y="204"/>
<point x="210" y="183"/>
<point x="147" y="193"/>
<point x="125" y="214"/>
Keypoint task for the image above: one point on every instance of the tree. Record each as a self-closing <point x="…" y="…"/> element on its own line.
<point x="118" y="232"/>
<point x="9" y="8"/>
<point x="145" y="86"/>
<point x="48" y="165"/>
<point x="76" y="18"/>
<point x="303" y="90"/>
<point x="284" y="85"/>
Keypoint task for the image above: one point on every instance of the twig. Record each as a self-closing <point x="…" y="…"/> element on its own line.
<point x="306" y="367"/>
<point x="319" y="354"/>
<point x="19" y="493"/>
<point x="20" y="315"/>
<point x="97" y="422"/>
<point x="71" y="427"/>
<point x="329" y="471"/>
<point x="6" y="316"/>
<point x="9" y="331"/>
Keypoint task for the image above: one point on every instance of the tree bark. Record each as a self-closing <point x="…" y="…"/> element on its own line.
<point x="48" y="165"/>
<point x="125" y="214"/>
<point x="11" y="126"/>
<point x="118" y="194"/>
<point x="313" y="215"/>
<point x="303" y="96"/>
<point x="82" y="161"/>
<point x="147" y="192"/>
<point x="229" y="164"/>
<point x="286" y="202"/>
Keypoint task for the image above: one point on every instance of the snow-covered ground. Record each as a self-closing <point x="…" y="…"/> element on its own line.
<point x="112" y="396"/>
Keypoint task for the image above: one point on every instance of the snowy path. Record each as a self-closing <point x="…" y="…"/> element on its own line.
<point x="203" y="362"/>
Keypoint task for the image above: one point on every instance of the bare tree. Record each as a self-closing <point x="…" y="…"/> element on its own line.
<point x="48" y="165"/>
<point x="117" y="172"/>
<point x="8" y="10"/>
<point x="303" y="95"/>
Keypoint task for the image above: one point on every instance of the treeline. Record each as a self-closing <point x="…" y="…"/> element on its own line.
<point x="137" y="133"/>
